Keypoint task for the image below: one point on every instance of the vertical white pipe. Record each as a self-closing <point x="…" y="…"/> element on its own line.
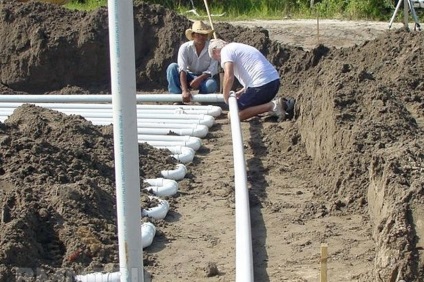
<point x="122" y="63"/>
<point x="244" y="260"/>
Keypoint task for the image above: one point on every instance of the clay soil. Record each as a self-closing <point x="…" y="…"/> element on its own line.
<point x="347" y="171"/>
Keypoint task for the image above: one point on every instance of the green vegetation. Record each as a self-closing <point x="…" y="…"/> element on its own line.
<point x="85" y="4"/>
<point x="268" y="9"/>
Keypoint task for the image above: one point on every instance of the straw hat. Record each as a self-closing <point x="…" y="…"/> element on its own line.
<point x="198" y="27"/>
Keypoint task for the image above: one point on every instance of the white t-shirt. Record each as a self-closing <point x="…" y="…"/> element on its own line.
<point x="251" y="68"/>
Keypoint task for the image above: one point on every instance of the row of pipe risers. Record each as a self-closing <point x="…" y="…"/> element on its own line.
<point x="244" y="261"/>
<point x="178" y="128"/>
<point x="187" y="123"/>
<point x="182" y="146"/>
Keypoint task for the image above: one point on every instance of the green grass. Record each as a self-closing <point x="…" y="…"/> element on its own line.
<point x="267" y="9"/>
<point x="86" y="5"/>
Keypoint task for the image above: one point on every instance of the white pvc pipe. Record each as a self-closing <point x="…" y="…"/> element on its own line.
<point x="108" y="106"/>
<point x="207" y="122"/>
<point x="182" y="154"/>
<point x="108" y="113"/>
<point x="167" y="125"/>
<point x="158" y="212"/>
<point x="162" y="187"/>
<point x="174" y="116"/>
<point x="99" y="277"/>
<point x="93" y="113"/>
<point x="175" y="174"/>
<point x="122" y="64"/>
<point x="106" y="98"/>
<point x="244" y="260"/>
<point x="190" y="139"/>
<point x="159" y="117"/>
<point x="213" y="112"/>
<point x="202" y="98"/>
<point x="197" y="130"/>
<point x="194" y="145"/>
<point x="148" y="231"/>
<point x="171" y="141"/>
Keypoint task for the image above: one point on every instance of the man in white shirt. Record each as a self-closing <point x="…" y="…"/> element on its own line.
<point x="259" y="78"/>
<point x="195" y="68"/>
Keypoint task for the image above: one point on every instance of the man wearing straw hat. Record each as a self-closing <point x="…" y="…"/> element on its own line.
<point x="195" y="68"/>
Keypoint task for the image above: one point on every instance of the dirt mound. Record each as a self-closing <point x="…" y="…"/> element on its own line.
<point x="358" y="130"/>
<point x="360" y="116"/>
<point x="61" y="48"/>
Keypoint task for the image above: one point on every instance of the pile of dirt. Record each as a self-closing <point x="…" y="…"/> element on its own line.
<point x="358" y="124"/>
<point x="360" y="117"/>
<point x="58" y="190"/>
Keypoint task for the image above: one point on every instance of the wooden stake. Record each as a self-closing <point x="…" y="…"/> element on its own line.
<point x="210" y="18"/>
<point x="221" y="74"/>
<point x="324" y="256"/>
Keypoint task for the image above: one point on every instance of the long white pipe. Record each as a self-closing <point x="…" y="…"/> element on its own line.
<point x="213" y="112"/>
<point x="174" y="116"/>
<point x="106" y="119"/>
<point x="196" y="130"/>
<point x="194" y="142"/>
<point x="170" y="138"/>
<point x="122" y="64"/>
<point x="244" y="261"/>
<point x="102" y="113"/>
<point x="108" y="113"/>
<point x="108" y="106"/>
<point x="155" y="117"/>
<point x="106" y="98"/>
<point x="105" y="112"/>
<point x="168" y="125"/>
<point x="175" y="124"/>
<point x="199" y="131"/>
<point x="163" y="143"/>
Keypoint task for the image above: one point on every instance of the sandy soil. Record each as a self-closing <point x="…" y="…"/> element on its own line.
<point x="346" y="171"/>
<point x="309" y="33"/>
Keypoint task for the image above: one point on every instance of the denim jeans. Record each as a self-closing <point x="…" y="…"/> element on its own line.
<point x="208" y="85"/>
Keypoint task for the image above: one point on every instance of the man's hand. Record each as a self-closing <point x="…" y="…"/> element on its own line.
<point x="186" y="96"/>
<point x="195" y="83"/>
<point x="240" y="92"/>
